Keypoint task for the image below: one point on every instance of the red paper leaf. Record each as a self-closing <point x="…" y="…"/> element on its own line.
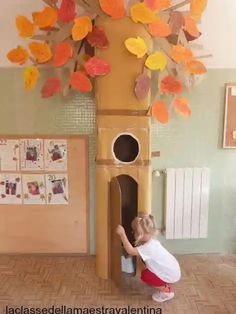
<point x="97" y="38"/>
<point x="51" y="87"/>
<point x="96" y="67"/>
<point x="80" y="82"/>
<point x="142" y="87"/>
<point x="67" y="11"/>
<point x="63" y="51"/>
<point x="160" y="112"/>
<point x="169" y="85"/>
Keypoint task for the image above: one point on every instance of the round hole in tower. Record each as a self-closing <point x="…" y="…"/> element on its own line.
<point x="126" y="148"/>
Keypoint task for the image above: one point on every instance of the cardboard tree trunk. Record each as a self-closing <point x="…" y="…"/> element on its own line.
<point x="123" y="144"/>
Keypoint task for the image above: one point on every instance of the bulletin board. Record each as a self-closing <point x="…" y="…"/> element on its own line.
<point x="229" y="140"/>
<point x="44" y="194"/>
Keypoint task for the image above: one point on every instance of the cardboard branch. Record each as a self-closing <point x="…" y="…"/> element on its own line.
<point x="178" y="5"/>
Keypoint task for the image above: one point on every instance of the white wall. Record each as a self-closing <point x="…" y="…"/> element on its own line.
<point x="218" y="28"/>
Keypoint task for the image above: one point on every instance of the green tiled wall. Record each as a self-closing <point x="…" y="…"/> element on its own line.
<point x="193" y="142"/>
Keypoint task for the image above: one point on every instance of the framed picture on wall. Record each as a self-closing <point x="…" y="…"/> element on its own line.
<point x="229" y="138"/>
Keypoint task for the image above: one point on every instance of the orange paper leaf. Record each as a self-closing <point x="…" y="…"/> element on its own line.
<point x="191" y="27"/>
<point x="63" y="52"/>
<point x="45" y="18"/>
<point x="160" y="112"/>
<point x="40" y="51"/>
<point x="159" y="29"/>
<point x="182" y="107"/>
<point x="197" y="7"/>
<point x="157" y="5"/>
<point x="141" y="13"/>
<point x="113" y="8"/>
<point x="195" y="67"/>
<point x="80" y="82"/>
<point x="83" y="25"/>
<point x="25" y="27"/>
<point x="181" y="54"/>
<point x="18" y="55"/>
<point x="169" y="85"/>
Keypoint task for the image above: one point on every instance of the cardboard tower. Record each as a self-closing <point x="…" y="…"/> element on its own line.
<point x="123" y="170"/>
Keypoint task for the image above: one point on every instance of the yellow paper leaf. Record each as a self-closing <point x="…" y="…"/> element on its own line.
<point x="18" y="55"/>
<point x="46" y="18"/>
<point x="31" y="75"/>
<point x="136" y="46"/>
<point x="181" y="54"/>
<point x="156" y="61"/>
<point x="83" y="25"/>
<point x="25" y="28"/>
<point x="41" y="52"/>
<point x="140" y="13"/>
<point x="197" y="7"/>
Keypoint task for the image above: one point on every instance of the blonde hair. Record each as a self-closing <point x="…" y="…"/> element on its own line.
<point x="144" y="225"/>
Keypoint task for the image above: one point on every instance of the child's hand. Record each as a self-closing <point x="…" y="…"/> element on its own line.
<point x="120" y="230"/>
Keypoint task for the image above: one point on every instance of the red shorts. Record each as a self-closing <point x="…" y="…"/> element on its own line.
<point x="151" y="279"/>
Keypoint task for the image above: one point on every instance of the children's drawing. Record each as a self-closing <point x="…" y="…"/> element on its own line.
<point x="55" y="155"/>
<point x="34" y="189"/>
<point x="31" y="151"/>
<point x="10" y="189"/>
<point x="57" y="189"/>
<point x="9" y="155"/>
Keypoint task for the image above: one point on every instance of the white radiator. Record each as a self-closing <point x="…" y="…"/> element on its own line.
<point x="187" y="203"/>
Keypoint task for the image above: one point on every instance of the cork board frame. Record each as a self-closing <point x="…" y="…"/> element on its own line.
<point x="60" y="229"/>
<point x="229" y="135"/>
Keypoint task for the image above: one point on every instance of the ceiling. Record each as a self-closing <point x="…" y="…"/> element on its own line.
<point x="218" y="27"/>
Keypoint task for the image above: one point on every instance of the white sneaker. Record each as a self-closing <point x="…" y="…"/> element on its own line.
<point x="162" y="296"/>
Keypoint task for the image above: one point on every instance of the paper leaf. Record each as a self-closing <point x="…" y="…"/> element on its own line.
<point x="159" y="29"/>
<point x="97" y="67"/>
<point x="157" y="5"/>
<point x="31" y="75"/>
<point x="113" y="8"/>
<point x="18" y="55"/>
<point x="142" y="86"/>
<point x="181" y="54"/>
<point x="182" y="107"/>
<point x="169" y="85"/>
<point x="176" y="21"/>
<point x="136" y="46"/>
<point x="25" y="28"/>
<point x="40" y="51"/>
<point x="197" y="7"/>
<point x="190" y="27"/>
<point x="141" y="13"/>
<point x="67" y="11"/>
<point x="97" y="38"/>
<point x="45" y="18"/>
<point x="51" y="87"/>
<point x="63" y="52"/>
<point x="160" y="112"/>
<point x="156" y="61"/>
<point x="80" y="82"/>
<point x="195" y="67"/>
<point x="82" y="26"/>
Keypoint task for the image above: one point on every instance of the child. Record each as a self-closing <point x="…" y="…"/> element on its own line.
<point x="162" y="268"/>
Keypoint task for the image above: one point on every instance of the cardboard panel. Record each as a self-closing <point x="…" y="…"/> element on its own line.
<point x="116" y="90"/>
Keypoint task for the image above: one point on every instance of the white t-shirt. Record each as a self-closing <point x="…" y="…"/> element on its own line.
<point x="159" y="261"/>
